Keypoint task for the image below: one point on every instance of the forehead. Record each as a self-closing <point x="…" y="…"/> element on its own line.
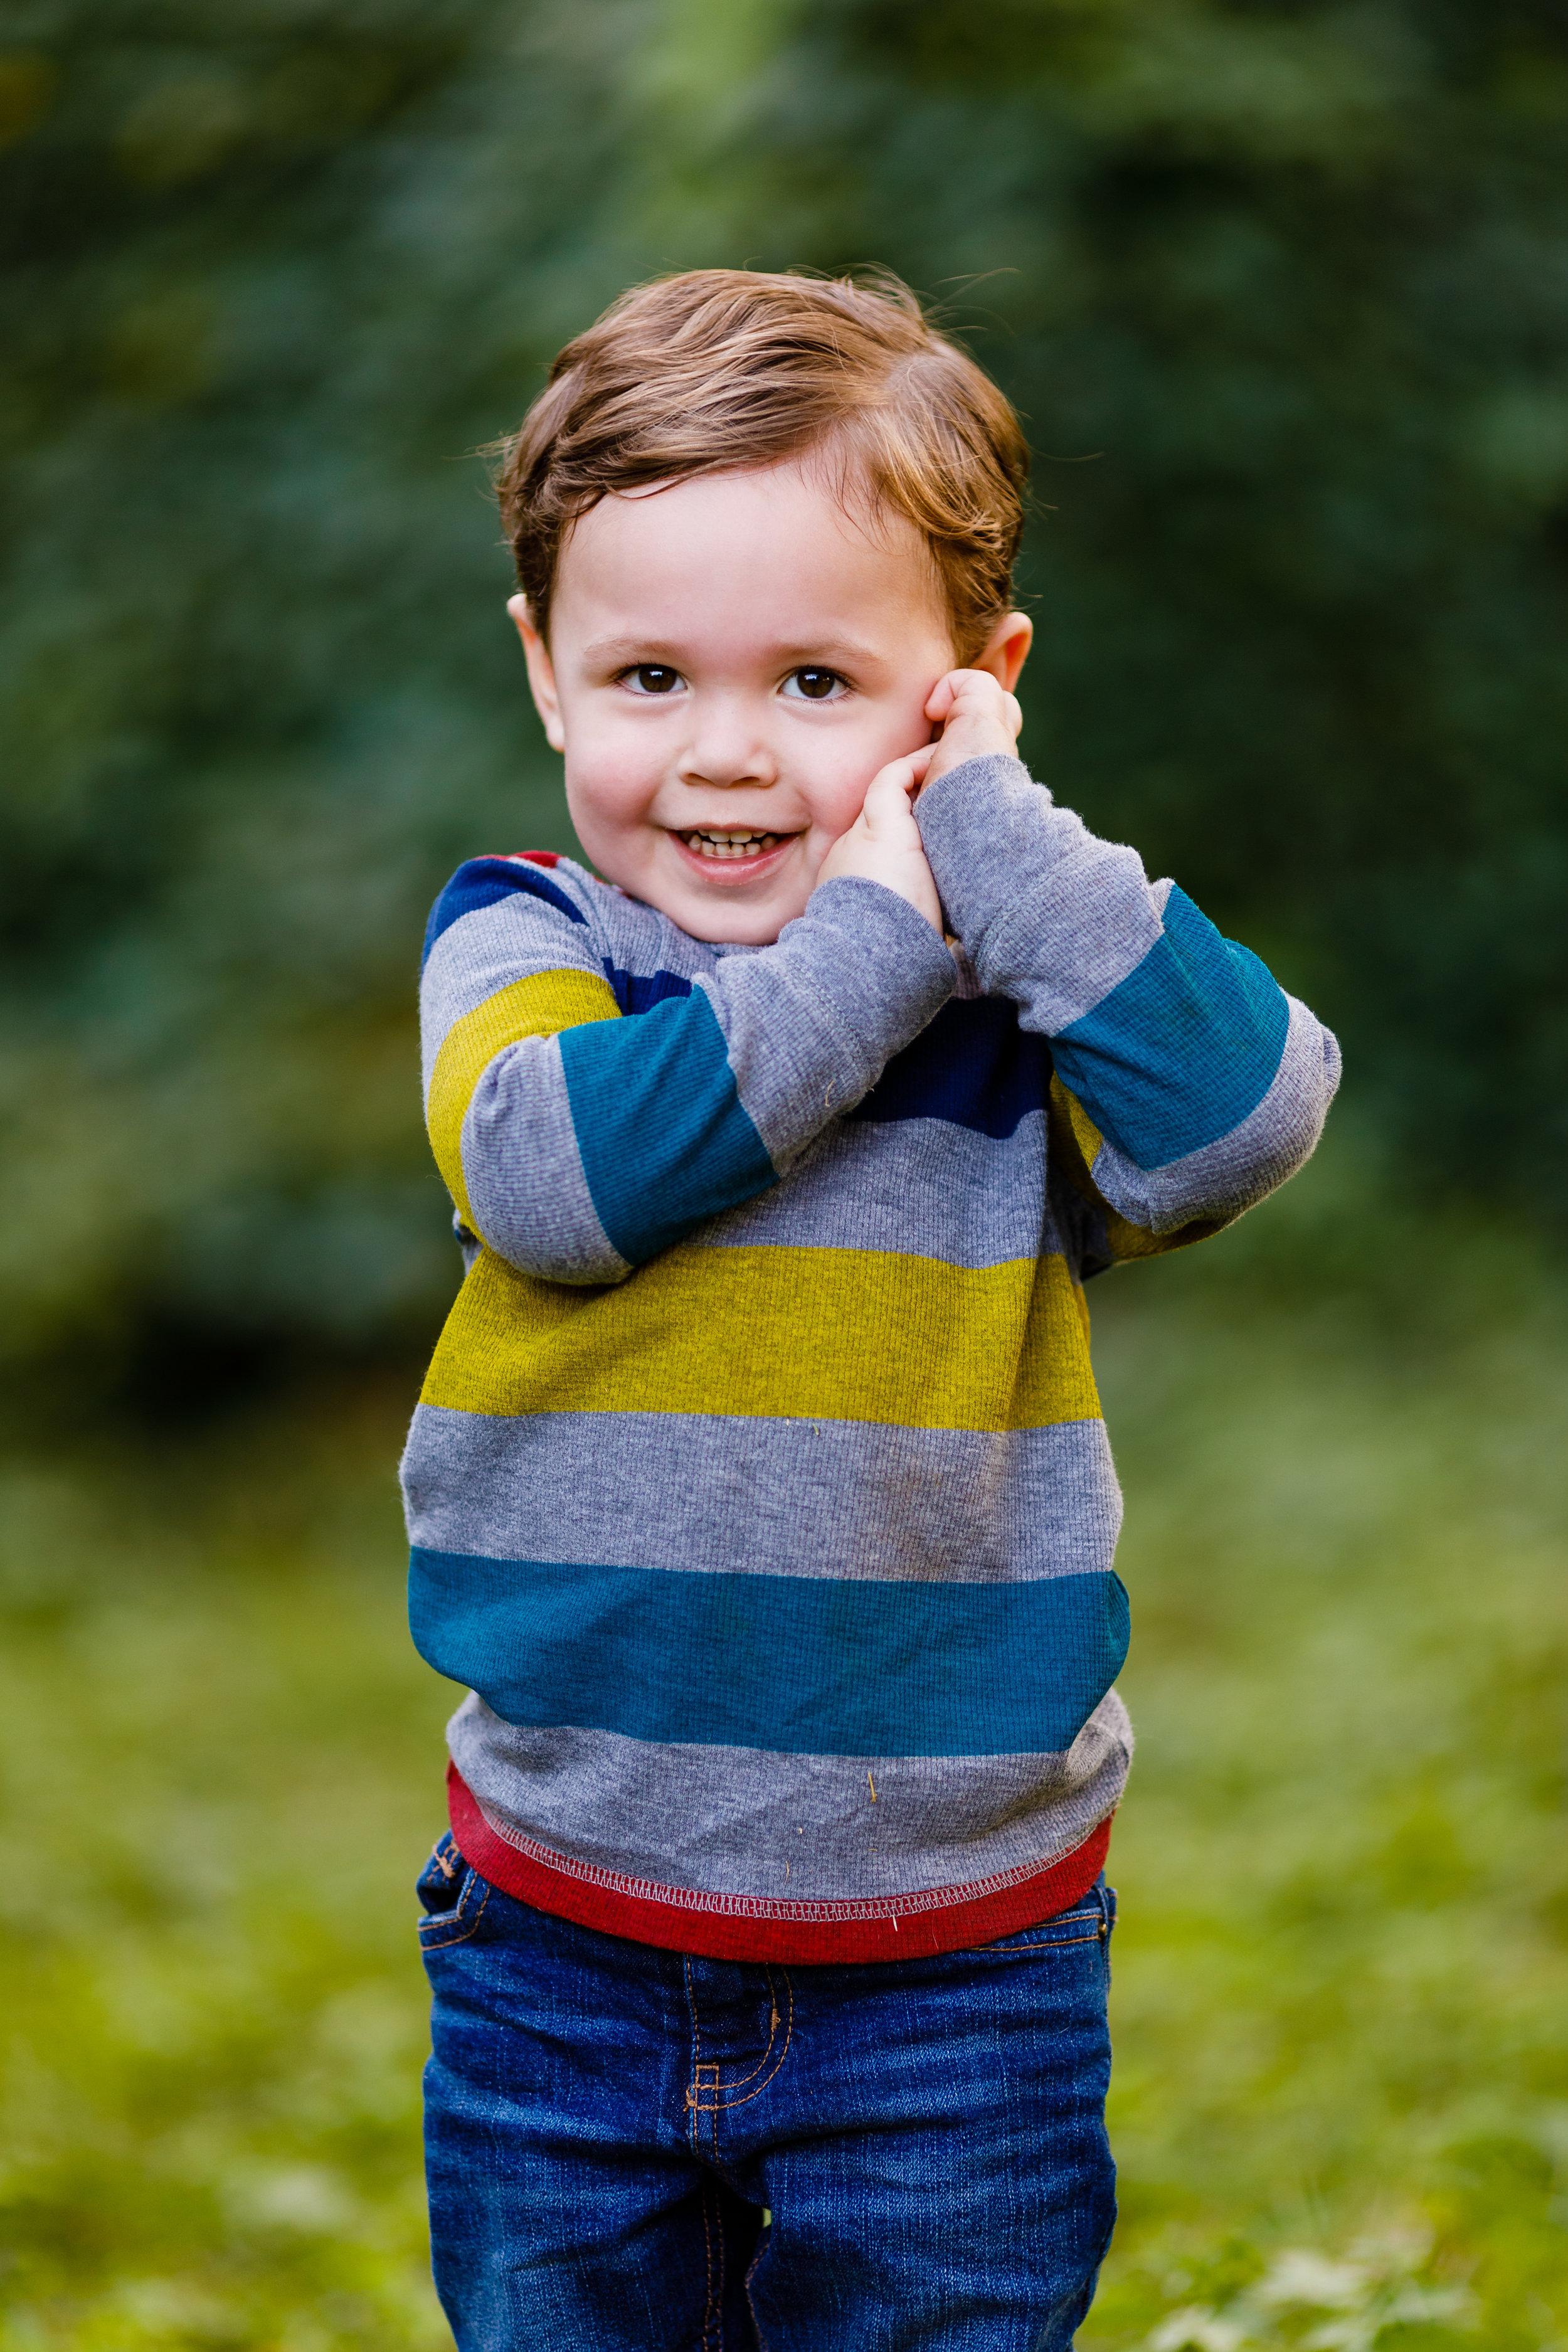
<point x="776" y="546"/>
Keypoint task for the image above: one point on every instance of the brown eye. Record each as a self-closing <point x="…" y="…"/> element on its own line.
<point x="653" y="677"/>
<point x="815" y="685"/>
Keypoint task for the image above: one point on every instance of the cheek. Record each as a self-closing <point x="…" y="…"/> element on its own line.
<point x="836" y="803"/>
<point x="608" y="786"/>
<point x="839" y="779"/>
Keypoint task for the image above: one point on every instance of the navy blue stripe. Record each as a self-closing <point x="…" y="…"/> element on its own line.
<point x="972" y="1065"/>
<point x="638" y="992"/>
<point x="799" y="1665"/>
<point x="1183" y="1049"/>
<point x="483" y="882"/>
<point x="663" y="1138"/>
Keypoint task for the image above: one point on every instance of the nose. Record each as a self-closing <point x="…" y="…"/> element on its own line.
<point x="727" y="743"/>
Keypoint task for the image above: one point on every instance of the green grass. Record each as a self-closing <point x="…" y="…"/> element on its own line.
<point x="222" y="1766"/>
<point x="1342" y="1999"/>
<point x="1341" y="2006"/>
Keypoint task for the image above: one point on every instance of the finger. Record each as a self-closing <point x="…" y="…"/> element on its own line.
<point x="874" y="807"/>
<point x="922" y="765"/>
<point x="891" y="784"/>
<point x="858" y="831"/>
<point x="943" y="695"/>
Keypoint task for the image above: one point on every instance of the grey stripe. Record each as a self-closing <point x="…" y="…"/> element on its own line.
<point x="524" y="1170"/>
<point x="915" y="1187"/>
<point x="734" y="1820"/>
<point x="1232" y="1173"/>
<point x="783" y="1497"/>
<point x="485" y="952"/>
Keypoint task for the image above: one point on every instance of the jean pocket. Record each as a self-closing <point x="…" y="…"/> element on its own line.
<point x="453" y="1898"/>
<point x="1088" y="1921"/>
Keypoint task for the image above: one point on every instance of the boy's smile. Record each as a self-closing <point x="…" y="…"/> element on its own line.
<point x="730" y="660"/>
<point x="745" y="854"/>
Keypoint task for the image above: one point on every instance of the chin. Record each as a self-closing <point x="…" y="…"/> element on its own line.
<point x="729" y="925"/>
<point x="727" y="913"/>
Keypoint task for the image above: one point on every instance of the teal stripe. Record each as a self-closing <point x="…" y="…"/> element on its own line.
<point x="802" y="1666"/>
<point x="1183" y="1049"/>
<point x="664" y="1140"/>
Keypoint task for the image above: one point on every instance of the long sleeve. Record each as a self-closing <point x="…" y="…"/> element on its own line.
<point x="1187" y="1085"/>
<point x="580" y="1135"/>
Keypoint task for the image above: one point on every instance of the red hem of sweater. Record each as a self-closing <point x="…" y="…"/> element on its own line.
<point x="937" y="1926"/>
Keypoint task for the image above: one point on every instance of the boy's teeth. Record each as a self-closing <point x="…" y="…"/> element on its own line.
<point x="731" y="844"/>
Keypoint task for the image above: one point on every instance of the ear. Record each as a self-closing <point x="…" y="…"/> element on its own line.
<point x="540" y="672"/>
<point x="1006" y="649"/>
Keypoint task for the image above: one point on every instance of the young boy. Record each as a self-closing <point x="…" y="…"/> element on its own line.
<point x="759" y="1490"/>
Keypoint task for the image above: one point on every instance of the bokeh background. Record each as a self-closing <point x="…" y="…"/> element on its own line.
<point x="1281" y="287"/>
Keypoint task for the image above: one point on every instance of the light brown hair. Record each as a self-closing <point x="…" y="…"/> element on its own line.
<point x="718" y="370"/>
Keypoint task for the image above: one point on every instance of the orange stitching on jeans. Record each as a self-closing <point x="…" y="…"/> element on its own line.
<point x="773" y="2033"/>
<point x="440" y="1944"/>
<point x="784" y="2054"/>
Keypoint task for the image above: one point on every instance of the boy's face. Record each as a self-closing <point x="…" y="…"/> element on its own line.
<point x="730" y="660"/>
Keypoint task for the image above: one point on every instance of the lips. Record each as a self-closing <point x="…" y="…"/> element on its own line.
<point x="727" y="855"/>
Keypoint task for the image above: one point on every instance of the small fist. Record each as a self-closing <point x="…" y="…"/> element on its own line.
<point x="976" y="714"/>
<point x="883" y="845"/>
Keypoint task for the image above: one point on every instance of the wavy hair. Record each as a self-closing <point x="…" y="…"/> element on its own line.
<point x="717" y="370"/>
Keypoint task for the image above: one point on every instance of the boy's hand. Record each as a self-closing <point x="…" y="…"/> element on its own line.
<point x="883" y="845"/>
<point x="976" y="714"/>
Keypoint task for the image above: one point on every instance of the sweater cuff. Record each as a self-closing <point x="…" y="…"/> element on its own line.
<point x="1049" y="914"/>
<point x="983" y="824"/>
<point x="850" y="983"/>
<point x="879" y="964"/>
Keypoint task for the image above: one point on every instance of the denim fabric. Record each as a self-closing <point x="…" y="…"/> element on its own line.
<point x="605" y="2124"/>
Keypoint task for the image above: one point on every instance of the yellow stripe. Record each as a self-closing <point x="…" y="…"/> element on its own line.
<point x="1127" y="1240"/>
<point x="835" y="1335"/>
<point x="535" y="1007"/>
<point x="1076" y="1140"/>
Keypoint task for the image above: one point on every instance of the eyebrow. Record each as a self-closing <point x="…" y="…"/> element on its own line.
<point x="823" y="652"/>
<point x="608" y="652"/>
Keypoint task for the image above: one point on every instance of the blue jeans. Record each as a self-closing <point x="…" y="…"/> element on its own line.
<point x="636" y="2148"/>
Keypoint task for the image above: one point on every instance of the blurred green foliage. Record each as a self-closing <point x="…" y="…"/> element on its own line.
<point x="1281" y="286"/>
<point x="1340" y="2101"/>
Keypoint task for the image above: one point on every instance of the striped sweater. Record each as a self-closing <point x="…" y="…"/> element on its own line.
<point x="759" y="1492"/>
